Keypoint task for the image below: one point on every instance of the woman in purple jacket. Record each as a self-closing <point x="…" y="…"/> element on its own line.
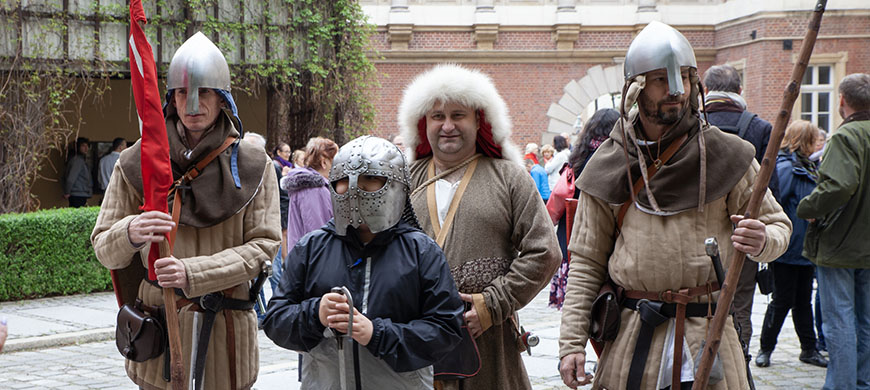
<point x="310" y="202"/>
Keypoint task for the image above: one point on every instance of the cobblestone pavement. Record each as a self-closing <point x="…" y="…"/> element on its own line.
<point x="97" y="365"/>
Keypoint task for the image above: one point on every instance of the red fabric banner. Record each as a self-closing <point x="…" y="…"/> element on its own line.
<point x="156" y="168"/>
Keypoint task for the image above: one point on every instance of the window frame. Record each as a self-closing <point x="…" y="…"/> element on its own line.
<point x="815" y="89"/>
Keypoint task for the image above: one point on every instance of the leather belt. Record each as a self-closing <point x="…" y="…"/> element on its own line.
<point x="654" y="309"/>
<point x="210" y="304"/>
<point x="670" y="309"/>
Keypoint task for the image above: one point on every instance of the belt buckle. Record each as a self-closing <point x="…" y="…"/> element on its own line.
<point x="667" y="293"/>
<point x="212" y="301"/>
<point x="640" y="302"/>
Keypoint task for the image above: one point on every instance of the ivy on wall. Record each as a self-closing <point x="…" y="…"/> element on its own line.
<point x="308" y="57"/>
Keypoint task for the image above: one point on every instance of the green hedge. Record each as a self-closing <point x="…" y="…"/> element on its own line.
<point x="49" y="253"/>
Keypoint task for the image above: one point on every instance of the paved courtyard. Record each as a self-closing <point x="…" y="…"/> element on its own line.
<point x="36" y="359"/>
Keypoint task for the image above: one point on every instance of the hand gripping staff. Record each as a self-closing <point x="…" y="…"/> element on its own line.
<point x="714" y="335"/>
<point x="156" y="169"/>
<point x="342" y="364"/>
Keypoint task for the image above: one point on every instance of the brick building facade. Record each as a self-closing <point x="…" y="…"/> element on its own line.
<point x="552" y="59"/>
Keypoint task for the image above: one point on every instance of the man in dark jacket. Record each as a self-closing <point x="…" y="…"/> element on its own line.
<point x="726" y="109"/>
<point x="78" y="185"/>
<point x="406" y="310"/>
<point x="836" y="240"/>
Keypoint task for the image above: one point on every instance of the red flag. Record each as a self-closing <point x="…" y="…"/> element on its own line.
<point x="156" y="168"/>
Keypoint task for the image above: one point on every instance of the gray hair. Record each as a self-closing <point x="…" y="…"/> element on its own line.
<point x="855" y="89"/>
<point x="722" y="78"/>
<point x="255" y="139"/>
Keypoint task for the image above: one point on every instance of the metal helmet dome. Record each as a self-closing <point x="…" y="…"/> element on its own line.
<point x="198" y="63"/>
<point x="660" y="46"/>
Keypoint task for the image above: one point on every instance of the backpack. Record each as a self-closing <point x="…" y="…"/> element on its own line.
<point x="742" y="125"/>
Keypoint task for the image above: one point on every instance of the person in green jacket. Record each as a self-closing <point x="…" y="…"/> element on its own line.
<point x="836" y="240"/>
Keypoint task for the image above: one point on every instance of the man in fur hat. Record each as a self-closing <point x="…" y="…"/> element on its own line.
<point x="473" y="196"/>
<point x="650" y="196"/>
<point x="228" y="226"/>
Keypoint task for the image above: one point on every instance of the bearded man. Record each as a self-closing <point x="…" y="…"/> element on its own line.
<point x="690" y="181"/>
<point x="473" y="196"/>
<point x="228" y="226"/>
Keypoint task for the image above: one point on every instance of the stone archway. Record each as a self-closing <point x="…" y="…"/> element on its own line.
<point x="578" y="94"/>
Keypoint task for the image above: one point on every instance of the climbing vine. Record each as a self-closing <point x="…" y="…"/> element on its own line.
<point x="306" y="59"/>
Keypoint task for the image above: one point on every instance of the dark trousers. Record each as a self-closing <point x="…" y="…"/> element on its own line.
<point x="792" y="290"/>
<point x="77" y="201"/>
<point x="743" y="297"/>
<point x="817" y="312"/>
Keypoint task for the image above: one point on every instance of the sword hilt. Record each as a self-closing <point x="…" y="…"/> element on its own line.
<point x="344" y="291"/>
<point x="712" y="248"/>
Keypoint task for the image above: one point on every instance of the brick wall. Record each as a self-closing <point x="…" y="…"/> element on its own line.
<point x="442" y="41"/>
<point x="532" y="40"/>
<point x="603" y="40"/>
<point x="769" y="67"/>
<point x="529" y="89"/>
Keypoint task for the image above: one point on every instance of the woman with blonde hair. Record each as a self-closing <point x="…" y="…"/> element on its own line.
<point x="792" y="272"/>
<point x="547" y="152"/>
<point x="308" y="191"/>
<point x="298" y="158"/>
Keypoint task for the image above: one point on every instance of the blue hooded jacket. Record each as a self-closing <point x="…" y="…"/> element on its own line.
<point x="795" y="182"/>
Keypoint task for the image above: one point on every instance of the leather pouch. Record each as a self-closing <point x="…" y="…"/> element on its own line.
<point x="139" y="336"/>
<point x="606" y="312"/>
<point x="463" y="362"/>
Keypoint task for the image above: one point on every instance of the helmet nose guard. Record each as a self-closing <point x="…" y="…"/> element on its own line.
<point x="198" y="63"/>
<point x="660" y="46"/>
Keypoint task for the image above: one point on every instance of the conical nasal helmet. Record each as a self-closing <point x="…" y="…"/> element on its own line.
<point x="198" y="63"/>
<point x="660" y="46"/>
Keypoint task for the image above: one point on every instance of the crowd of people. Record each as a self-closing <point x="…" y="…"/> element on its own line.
<point x="403" y="264"/>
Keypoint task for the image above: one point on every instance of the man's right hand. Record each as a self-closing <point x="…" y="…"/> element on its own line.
<point x="573" y="372"/>
<point x="149" y="227"/>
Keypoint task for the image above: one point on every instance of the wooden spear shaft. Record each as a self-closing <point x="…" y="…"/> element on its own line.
<point x="714" y="335"/>
<point x="176" y="368"/>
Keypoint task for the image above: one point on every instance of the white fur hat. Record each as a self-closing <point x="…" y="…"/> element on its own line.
<point x="453" y="83"/>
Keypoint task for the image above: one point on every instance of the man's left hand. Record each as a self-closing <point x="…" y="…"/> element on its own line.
<point x="170" y="273"/>
<point x="471" y="318"/>
<point x="749" y="236"/>
<point x="362" y="326"/>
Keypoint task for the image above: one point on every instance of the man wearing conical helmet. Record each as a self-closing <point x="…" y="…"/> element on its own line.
<point x="228" y="226"/>
<point x="650" y="196"/>
<point x="473" y="196"/>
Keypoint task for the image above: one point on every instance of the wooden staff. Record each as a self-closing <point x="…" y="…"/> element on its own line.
<point x="176" y="369"/>
<point x="714" y="335"/>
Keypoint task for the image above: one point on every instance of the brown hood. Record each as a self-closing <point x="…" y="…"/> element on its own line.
<point x="676" y="185"/>
<point x="213" y="196"/>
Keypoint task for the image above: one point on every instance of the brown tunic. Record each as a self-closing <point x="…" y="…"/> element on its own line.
<point x="502" y="245"/>
<point x="223" y="256"/>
